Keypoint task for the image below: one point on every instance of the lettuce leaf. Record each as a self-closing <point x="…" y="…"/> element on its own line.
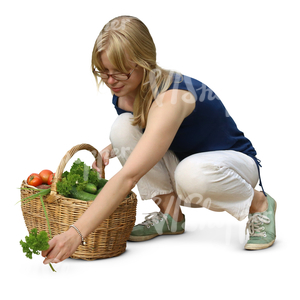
<point x="79" y="176"/>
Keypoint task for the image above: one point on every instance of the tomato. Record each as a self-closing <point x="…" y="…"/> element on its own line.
<point x="45" y="175"/>
<point x="50" y="178"/>
<point x="34" y="179"/>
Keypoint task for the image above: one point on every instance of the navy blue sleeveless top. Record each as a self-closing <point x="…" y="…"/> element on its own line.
<point x="209" y="127"/>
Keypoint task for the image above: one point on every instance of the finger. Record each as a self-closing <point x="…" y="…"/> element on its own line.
<point x="112" y="153"/>
<point x="94" y="166"/>
<point x="105" y="157"/>
<point x="51" y="246"/>
<point x="98" y="168"/>
<point x="58" y="258"/>
<point x="53" y="256"/>
<point x="52" y="251"/>
<point x="61" y="257"/>
<point x="50" y="256"/>
<point x="48" y="260"/>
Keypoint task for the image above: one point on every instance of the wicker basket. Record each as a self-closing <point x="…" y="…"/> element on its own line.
<point x="108" y="240"/>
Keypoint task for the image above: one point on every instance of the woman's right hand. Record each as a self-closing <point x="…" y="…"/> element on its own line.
<point x="62" y="246"/>
<point x="105" y="154"/>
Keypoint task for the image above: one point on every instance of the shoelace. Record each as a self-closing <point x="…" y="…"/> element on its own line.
<point x="254" y="225"/>
<point x="155" y="218"/>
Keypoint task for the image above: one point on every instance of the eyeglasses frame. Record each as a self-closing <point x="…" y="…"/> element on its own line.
<point x="112" y="75"/>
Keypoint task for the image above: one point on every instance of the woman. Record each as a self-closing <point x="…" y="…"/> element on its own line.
<point x="175" y="140"/>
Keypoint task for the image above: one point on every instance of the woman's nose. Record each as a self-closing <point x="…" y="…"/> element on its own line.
<point x="111" y="80"/>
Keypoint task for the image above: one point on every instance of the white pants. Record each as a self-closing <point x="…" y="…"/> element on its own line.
<point x="216" y="180"/>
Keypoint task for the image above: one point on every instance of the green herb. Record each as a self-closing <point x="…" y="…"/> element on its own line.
<point x="79" y="176"/>
<point x="40" y="193"/>
<point x="37" y="242"/>
<point x="34" y="243"/>
<point x="46" y="215"/>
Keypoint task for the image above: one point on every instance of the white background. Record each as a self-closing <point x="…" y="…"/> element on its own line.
<point x="246" y="51"/>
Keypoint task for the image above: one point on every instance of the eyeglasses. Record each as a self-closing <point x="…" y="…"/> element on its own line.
<point x="116" y="76"/>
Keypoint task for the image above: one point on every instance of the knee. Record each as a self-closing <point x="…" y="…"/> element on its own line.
<point x="196" y="178"/>
<point x="122" y="132"/>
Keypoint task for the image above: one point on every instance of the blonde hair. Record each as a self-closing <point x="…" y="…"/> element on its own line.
<point x="126" y="40"/>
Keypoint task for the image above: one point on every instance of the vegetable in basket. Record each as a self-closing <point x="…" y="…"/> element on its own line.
<point x="82" y="182"/>
<point x="49" y="182"/>
<point x="34" y="179"/>
<point x="43" y="177"/>
<point x="45" y="174"/>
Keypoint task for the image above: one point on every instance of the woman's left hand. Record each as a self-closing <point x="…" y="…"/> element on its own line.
<point x="62" y="246"/>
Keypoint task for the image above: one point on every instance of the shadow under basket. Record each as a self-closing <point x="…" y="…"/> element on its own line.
<point x="107" y="240"/>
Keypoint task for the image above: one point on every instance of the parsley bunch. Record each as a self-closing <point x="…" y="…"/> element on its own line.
<point x="35" y="243"/>
<point x="79" y="176"/>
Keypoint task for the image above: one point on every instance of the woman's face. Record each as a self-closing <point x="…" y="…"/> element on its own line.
<point x="126" y="88"/>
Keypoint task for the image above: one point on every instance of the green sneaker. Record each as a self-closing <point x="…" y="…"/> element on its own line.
<point x="261" y="227"/>
<point x="155" y="224"/>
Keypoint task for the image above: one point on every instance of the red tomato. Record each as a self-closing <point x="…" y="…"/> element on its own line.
<point x="45" y="175"/>
<point x="50" y="178"/>
<point x="34" y="179"/>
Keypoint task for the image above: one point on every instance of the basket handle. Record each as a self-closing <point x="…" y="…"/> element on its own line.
<point x="65" y="160"/>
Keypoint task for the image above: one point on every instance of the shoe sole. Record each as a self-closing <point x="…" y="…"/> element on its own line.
<point x="133" y="238"/>
<point x="258" y="246"/>
<point x="261" y="246"/>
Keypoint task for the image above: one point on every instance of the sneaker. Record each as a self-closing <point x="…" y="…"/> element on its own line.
<point x="155" y="224"/>
<point x="261" y="227"/>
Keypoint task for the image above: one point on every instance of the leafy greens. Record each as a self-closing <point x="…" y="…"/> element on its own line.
<point x="79" y="176"/>
<point x="35" y="242"/>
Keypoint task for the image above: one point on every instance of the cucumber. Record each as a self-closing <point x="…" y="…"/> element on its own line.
<point x="90" y="188"/>
<point x="101" y="182"/>
<point x="82" y="195"/>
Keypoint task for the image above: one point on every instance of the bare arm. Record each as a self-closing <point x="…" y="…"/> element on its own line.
<point x="162" y="125"/>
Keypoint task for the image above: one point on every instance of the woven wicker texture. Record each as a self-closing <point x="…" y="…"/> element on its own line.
<point x="109" y="238"/>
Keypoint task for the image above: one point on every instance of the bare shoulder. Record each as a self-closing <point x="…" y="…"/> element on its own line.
<point x="180" y="100"/>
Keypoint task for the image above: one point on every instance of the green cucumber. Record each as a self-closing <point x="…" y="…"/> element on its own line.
<point x="82" y="195"/>
<point x="101" y="182"/>
<point x="90" y="188"/>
